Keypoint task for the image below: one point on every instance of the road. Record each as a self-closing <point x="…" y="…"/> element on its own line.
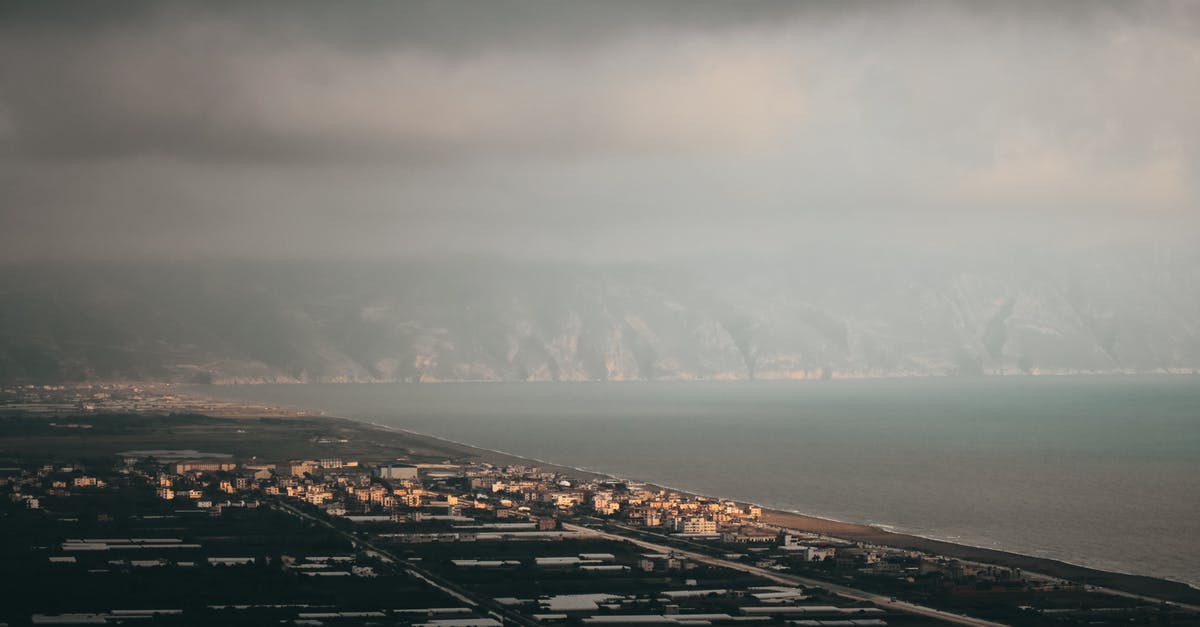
<point x="485" y="605"/>
<point x="506" y="615"/>
<point x="843" y="591"/>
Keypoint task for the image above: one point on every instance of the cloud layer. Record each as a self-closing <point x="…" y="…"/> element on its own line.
<point x="601" y="131"/>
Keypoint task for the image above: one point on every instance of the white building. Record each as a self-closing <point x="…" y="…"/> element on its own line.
<point x="699" y="526"/>
<point x="396" y="471"/>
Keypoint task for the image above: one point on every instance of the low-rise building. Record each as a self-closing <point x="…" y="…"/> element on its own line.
<point x="397" y="472"/>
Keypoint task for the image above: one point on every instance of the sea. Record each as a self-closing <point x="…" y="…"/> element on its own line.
<point x="1098" y="471"/>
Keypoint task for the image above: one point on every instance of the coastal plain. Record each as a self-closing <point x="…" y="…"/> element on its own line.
<point x="258" y="431"/>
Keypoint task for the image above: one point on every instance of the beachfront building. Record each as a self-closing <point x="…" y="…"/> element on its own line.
<point x="699" y="526"/>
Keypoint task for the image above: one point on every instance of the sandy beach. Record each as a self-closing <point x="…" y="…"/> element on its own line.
<point x="370" y="440"/>
<point x="1133" y="584"/>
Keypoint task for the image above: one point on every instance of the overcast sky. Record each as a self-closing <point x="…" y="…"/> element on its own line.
<point x="593" y="130"/>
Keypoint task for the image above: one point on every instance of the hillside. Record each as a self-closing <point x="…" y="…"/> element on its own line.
<point x="438" y="320"/>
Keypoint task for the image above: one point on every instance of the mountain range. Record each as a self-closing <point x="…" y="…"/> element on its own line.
<point x="825" y="315"/>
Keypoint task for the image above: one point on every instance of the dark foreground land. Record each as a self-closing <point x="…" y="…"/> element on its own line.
<point x="444" y="549"/>
<point x="270" y="437"/>
<point x="318" y="436"/>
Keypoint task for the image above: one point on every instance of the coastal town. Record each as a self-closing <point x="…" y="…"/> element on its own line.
<point x="117" y="397"/>
<point x="357" y="534"/>
<point x="546" y="313"/>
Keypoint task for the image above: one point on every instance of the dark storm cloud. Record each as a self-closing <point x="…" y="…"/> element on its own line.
<point x="318" y="82"/>
<point x="596" y="129"/>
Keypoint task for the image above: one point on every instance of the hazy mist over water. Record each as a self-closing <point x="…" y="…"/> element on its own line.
<point x="1102" y="471"/>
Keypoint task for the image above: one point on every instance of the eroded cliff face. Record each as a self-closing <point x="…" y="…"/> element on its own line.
<point x="495" y="321"/>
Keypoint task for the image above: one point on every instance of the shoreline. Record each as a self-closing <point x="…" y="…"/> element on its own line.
<point x="1124" y="583"/>
<point x="202" y="399"/>
<point x="408" y="442"/>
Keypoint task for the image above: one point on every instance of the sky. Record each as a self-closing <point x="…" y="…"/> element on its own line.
<point x="594" y="131"/>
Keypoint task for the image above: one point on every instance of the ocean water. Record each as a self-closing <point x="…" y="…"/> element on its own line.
<point x="1097" y="471"/>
